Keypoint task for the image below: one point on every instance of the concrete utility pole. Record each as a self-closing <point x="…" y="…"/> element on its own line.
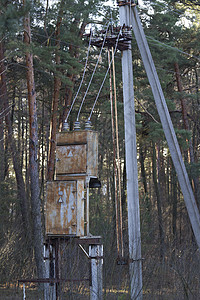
<point x="135" y="263"/>
<point x="96" y="256"/>
<point x="170" y="135"/>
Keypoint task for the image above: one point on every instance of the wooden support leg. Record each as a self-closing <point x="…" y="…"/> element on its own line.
<point x="96" y="256"/>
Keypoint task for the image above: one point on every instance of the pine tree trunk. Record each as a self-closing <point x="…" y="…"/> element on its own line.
<point x="147" y="201"/>
<point x="158" y="201"/>
<point x="74" y="51"/>
<point x="186" y="126"/>
<point x="67" y="103"/>
<point x="55" y="101"/>
<point x="174" y="204"/>
<point x="33" y="148"/>
<point x="2" y="153"/>
<point x="15" y="154"/>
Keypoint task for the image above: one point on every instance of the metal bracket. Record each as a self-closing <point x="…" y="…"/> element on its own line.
<point x="84" y="251"/>
<point x="131" y="260"/>
<point x="110" y="41"/>
<point x="125" y="261"/>
<point x="125" y="2"/>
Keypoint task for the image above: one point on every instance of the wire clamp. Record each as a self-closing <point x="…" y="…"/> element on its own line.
<point x="131" y="260"/>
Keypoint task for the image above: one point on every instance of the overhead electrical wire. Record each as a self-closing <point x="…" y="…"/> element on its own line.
<point x="174" y="48"/>
<point x="114" y="163"/>
<point x="174" y="11"/>
<point x="82" y="77"/>
<point x="4" y="113"/>
<point x="104" y="77"/>
<point x="117" y="165"/>
<point x="151" y="41"/>
<point x="156" y="41"/>
<point x="93" y="71"/>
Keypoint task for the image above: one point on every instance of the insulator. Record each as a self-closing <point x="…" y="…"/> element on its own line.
<point x="127" y="32"/>
<point x="88" y="125"/>
<point x="77" y="125"/>
<point x="65" y="126"/>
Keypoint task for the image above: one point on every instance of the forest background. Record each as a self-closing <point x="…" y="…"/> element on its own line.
<point x="42" y="55"/>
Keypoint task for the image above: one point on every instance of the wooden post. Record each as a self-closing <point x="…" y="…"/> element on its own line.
<point x="96" y="256"/>
<point x="135" y="267"/>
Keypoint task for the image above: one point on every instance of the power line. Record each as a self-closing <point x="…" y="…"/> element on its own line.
<point x="1" y="113"/>
<point x="104" y="77"/>
<point x="6" y="57"/>
<point x="175" y="11"/>
<point x="67" y="43"/>
<point x="93" y="71"/>
<point x="35" y="69"/>
<point x="82" y="77"/>
<point x="171" y="47"/>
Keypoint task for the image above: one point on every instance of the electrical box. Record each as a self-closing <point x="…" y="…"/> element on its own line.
<point x="76" y="154"/>
<point x="76" y="170"/>
<point x="65" y="208"/>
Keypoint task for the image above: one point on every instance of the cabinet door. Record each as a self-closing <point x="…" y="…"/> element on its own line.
<point x="71" y="159"/>
<point x="61" y="208"/>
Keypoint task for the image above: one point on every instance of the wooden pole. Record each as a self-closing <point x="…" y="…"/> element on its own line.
<point x="135" y="266"/>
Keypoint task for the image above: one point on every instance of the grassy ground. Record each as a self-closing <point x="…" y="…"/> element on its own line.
<point x="32" y="294"/>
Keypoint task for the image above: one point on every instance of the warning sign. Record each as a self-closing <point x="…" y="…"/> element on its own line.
<point x="70" y="154"/>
